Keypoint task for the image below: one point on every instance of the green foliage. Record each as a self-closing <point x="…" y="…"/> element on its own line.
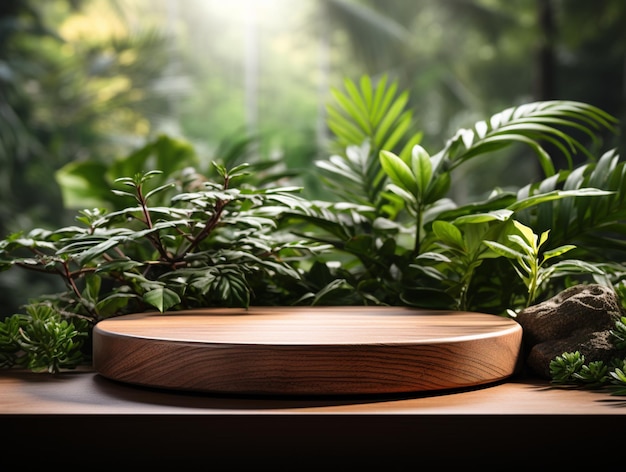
<point x="166" y="234"/>
<point x="377" y="113"/>
<point x="69" y="93"/>
<point x="570" y="368"/>
<point x="68" y="99"/>
<point x="366" y="119"/>
<point x="530" y="262"/>
<point x="591" y="224"/>
<point x="618" y="378"/>
<point x="534" y="125"/>
<point x="398" y="229"/>
<point x="619" y="333"/>
<point x="593" y="374"/>
<point x="563" y="367"/>
<point x="213" y="245"/>
<point x="92" y="183"/>
<point x="43" y="339"/>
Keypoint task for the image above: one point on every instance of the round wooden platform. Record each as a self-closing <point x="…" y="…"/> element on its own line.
<point x="307" y="350"/>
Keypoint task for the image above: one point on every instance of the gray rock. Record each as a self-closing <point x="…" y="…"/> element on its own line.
<point x="578" y="319"/>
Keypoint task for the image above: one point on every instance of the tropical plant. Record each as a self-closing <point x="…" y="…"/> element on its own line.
<point x="172" y="237"/>
<point x="424" y="248"/>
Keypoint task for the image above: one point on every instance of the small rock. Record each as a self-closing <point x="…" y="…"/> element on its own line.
<point x="577" y="319"/>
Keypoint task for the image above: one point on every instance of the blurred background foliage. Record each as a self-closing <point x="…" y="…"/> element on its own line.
<point x="95" y="80"/>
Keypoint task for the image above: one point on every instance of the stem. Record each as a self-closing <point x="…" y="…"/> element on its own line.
<point x="211" y="223"/>
<point x="418" y="230"/>
<point x="67" y="274"/>
<point x="154" y="239"/>
<point x="533" y="274"/>
<point x="70" y="280"/>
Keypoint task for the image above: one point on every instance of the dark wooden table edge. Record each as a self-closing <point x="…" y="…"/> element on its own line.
<point x="295" y="442"/>
<point x="314" y="441"/>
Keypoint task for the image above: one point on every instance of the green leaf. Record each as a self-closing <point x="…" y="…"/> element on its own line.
<point x="498" y="215"/>
<point x="383" y="98"/>
<point x="390" y="117"/>
<point x="161" y="188"/>
<point x="399" y="172"/>
<point x="422" y="168"/>
<point x="352" y="110"/>
<point x="355" y="95"/>
<point x="114" y="303"/>
<point x="449" y="234"/>
<point x="162" y="298"/>
<point x="503" y="250"/>
<point x="527" y="233"/>
<point x="400" y="130"/>
<point x="92" y="288"/>
<point x="558" y="251"/>
<point x="556" y="195"/>
<point x="347" y="132"/>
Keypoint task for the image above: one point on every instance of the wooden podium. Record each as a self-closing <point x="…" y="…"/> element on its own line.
<point x="307" y="350"/>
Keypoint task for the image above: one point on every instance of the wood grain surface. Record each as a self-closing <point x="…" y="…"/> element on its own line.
<point x="307" y="350"/>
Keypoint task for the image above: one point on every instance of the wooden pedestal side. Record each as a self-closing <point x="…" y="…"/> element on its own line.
<point x="307" y="350"/>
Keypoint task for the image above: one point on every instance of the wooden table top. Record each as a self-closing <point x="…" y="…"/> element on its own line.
<point x="89" y="419"/>
<point x="25" y="393"/>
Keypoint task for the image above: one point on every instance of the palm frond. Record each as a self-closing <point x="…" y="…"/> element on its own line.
<point x="366" y="118"/>
<point x="533" y="124"/>
<point x="355" y="176"/>
<point x="374" y="112"/>
<point x="597" y="223"/>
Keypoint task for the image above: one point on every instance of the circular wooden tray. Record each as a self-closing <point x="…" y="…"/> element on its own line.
<point x="307" y="350"/>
